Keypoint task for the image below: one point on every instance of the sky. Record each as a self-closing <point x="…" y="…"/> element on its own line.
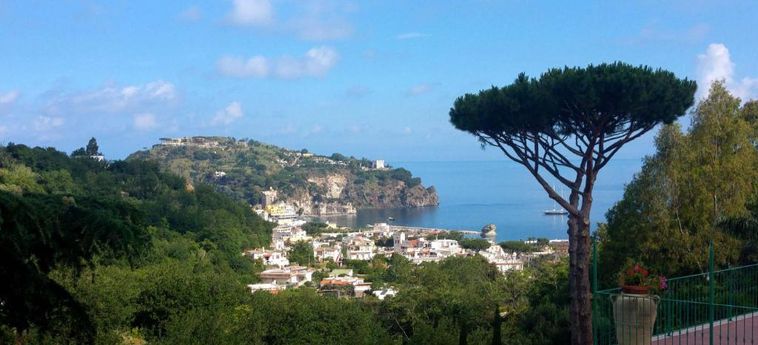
<point x="370" y="79"/>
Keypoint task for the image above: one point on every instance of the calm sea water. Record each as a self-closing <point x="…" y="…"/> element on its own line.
<point x="474" y="194"/>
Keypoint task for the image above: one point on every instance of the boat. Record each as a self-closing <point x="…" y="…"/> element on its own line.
<point x="556" y="212"/>
<point x="390" y="219"/>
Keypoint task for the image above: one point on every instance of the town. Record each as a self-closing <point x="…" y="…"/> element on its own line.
<point x="331" y="248"/>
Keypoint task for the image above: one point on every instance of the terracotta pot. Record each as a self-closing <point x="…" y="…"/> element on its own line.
<point x="635" y="289"/>
<point x="634" y="318"/>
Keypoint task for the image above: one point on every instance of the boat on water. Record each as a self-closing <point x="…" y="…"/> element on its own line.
<point x="390" y="219"/>
<point x="556" y="211"/>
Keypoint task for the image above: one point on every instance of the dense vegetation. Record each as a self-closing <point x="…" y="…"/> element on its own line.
<point x="250" y="167"/>
<point x="120" y="253"/>
<point x="92" y="251"/>
<point x="699" y="186"/>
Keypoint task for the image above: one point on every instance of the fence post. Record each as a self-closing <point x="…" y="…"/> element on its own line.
<point x="594" y="266"/>
<point x="711" y="292"/>
<point x="594" y="290"/>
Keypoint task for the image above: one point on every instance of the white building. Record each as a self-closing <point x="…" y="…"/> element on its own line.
<point x="323" y="251"/>
<point x="269" y="257"/>
<point x="378" y="164"/>
<point x="502" y="260"/>
<point x="293" y="275"/>
<point x="445" y="247"/>
<point x="384" y="293"/>
<point x="360" y="248"/>
<point x="272" y="288"/>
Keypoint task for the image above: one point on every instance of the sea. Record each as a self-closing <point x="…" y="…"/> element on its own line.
<point x="473" y="194"/>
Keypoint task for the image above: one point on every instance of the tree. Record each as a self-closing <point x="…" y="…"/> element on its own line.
<point x="567" y="125"/>
<point x="695" y="189"/>
<point x="516" y="246"/>
<point x="301" y="253"/>
<point x="92" y="148"/>
<point x="475" y="244"/>
<point x="42" y="233"/>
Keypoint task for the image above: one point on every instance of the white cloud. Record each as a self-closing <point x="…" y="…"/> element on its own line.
<point x="112" y="98"/>
<point x="316" y="63"/>
<point x="46" y="123"/>
<point x="419" y="89"/>
<point x="9" y="97"/>
<point x="145" y="122"/>
<point x="191" y="14"/>
<point x="256" y="66"/>
<point x="226" y="116"/>
<point x="716" y="64"/>
<point x="411" y="35"/>
<point x="312" y="20"/>
<point x="252" y="13"/>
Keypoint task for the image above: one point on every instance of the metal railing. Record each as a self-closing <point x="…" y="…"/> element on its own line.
<point x="715" y="307"/>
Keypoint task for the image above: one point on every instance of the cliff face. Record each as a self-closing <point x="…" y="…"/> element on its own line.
<point x="393" y="194"/>
<point x="318" y="185"/>
<point x="330" y="194"/>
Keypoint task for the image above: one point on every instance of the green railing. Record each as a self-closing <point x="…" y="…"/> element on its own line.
<point x="715" y="307"/>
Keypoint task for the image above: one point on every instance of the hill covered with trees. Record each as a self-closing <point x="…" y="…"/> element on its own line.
<point x="316" y="184"/>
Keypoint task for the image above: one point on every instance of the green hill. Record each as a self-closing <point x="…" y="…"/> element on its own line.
<point x="316" y="184"/>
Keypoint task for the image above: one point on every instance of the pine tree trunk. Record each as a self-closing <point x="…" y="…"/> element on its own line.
<point x="580" y="310"/>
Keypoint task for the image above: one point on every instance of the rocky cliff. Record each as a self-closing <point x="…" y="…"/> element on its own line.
<point x="316" y="184"/>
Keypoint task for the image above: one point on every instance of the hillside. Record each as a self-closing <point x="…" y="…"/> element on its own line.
<point x="319" y="185"/>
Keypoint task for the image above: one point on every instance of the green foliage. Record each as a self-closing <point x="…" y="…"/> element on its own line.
<point x="546" y="320"/>
<point x="253" y="168"/>
<point x="44" y="232"/>
<point x="123" y="221"/>
<point x="475" y="244"/>
<point x="687" y="194"/>
<point x="123" y="253"/>
<point x="314" y="228"/>
<point x="92" y="148"/>
<point x="301" y="253"/>
<point x="516" y="246"/>
<point x="19" y="179"/>
<point x="447" y="235"/>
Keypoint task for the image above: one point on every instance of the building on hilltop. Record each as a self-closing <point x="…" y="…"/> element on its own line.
<point x="378" y="164"/>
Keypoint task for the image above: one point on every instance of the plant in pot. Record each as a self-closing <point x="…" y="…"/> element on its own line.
<point x="635" y="309"/>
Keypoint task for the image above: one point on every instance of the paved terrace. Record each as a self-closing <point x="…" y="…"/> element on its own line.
<point x="740" y="330"/>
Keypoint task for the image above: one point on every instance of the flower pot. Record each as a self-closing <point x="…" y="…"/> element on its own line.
<point x="634" y="317"/>
<point x="635" y="289"/>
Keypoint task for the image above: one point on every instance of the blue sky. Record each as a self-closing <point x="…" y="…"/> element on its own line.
<point x="364" y="78"/>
